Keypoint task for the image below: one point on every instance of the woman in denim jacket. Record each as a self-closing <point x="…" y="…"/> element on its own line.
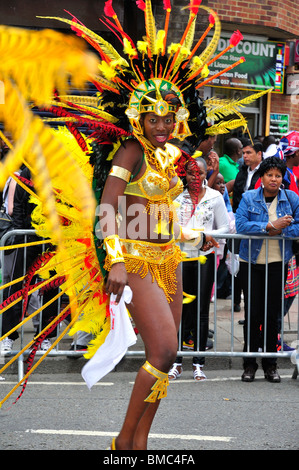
<point x="268" y="210"/>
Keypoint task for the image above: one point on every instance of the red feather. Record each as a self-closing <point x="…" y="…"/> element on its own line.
<point x="167" y="5"/>
<point x="41" y="260"/>
<point x="194" y="6"/>
<point x="211" y="19"/>
<point x="236" y="38"/>
<point x="108" y="10"/>
<point x="120" y="31"/>
<point x="111" y="29"/>
<point x="140" y="4"/>
<point x="73" y="27"/>
<point x="78" y="136"/>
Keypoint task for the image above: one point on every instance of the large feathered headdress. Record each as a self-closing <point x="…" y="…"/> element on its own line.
<point x="123" y="81"/>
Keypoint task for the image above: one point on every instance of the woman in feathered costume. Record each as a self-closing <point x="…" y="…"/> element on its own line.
<point x="144" y="100"/>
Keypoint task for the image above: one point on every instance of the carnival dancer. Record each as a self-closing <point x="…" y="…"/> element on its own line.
<point x="144" y="99"/>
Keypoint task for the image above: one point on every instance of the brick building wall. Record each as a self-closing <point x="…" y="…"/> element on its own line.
<point x="275" y="19"/>
<point x="272" y="14"/>
<point x="267" y="13"/>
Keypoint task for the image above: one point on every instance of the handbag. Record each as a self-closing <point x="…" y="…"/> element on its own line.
<point x="5" y="222"/>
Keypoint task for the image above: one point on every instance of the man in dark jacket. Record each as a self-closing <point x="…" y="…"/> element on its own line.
<point x="248" y="173"/>
<point x="245" y="180"/>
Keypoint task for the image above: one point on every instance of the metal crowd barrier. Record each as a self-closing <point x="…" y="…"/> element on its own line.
<point x="215" y="351"/>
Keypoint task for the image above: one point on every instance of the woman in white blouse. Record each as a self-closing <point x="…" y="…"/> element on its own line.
<point x="199" y="207"/>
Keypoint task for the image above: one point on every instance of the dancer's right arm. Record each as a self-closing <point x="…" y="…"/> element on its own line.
<point x="127" y="158"/>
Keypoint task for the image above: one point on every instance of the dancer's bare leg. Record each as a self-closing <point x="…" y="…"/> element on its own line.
<point x="157" y="322"/>
<point x="145" y="423"/>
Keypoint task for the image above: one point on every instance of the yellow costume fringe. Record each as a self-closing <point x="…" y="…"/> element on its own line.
<point x="159" y="259"/>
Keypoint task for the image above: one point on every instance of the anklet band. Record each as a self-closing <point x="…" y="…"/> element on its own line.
<point x="159" y="389"/>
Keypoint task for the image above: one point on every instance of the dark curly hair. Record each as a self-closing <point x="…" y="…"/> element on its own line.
<point x="272" y="162"/>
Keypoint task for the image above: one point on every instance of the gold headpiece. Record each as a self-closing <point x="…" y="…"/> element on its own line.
<point x="158" y="105"/>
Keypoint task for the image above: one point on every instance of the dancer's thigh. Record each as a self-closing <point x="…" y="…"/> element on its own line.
<point x="156" y="320"/>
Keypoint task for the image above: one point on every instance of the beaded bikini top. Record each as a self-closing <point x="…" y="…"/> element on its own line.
<point x="154" y="185"/>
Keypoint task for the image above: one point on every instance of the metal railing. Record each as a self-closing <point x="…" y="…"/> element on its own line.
<point x="215" y="351"/>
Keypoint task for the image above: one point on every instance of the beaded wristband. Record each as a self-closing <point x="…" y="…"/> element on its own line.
<point x="113" y="251"/>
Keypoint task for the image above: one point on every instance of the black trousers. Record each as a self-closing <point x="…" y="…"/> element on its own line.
<point x="13" y="315"/>
<point x="189" y="316"/>
<point x="256" y="319"/>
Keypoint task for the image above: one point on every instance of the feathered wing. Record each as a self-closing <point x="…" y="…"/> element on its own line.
<point x="51" y="161"/>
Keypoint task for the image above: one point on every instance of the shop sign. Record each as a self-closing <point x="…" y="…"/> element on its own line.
<point x="279" y="125"/>
<point x="263" y="67"/>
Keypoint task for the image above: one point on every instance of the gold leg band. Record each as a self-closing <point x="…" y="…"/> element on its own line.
<point x="159" y="389"/>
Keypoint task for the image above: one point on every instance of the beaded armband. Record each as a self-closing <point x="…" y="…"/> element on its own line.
<point x="113" y="251"/>
<point x="121" y="173"/>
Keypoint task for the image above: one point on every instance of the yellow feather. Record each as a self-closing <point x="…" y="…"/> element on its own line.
<point x="29" y="66"/>
<point x="160" y="41"/>
<point x="205" y="72"/>
<point x="107" y="71"/>
<point x="196" y="63"/>
<point x="210" y="49"/>
<point x="217" y="109"/>
<point x="226" y="126"/>
<point x="142" y="46"/>
<point x="107" y="48"/>
<point x="190" y="36"/>
<point x="128" y="49"/>
<point x="173" y="47"/>
<point x="150" y="26"/>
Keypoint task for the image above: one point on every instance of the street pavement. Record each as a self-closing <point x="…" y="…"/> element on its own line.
<point x="58" y="412"/>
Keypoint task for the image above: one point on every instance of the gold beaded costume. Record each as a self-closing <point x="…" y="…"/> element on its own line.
<point x="70" y="153"/>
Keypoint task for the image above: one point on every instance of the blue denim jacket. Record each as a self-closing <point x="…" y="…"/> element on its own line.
<point x="252" y="218"/>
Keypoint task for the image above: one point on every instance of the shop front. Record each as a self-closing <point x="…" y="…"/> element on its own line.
<point x="263" y="69"/>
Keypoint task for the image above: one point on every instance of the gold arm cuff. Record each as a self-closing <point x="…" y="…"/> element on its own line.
<point x="159" y="389"/>
<point x="121" y="173"/>
<point x="114" y="252"/>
